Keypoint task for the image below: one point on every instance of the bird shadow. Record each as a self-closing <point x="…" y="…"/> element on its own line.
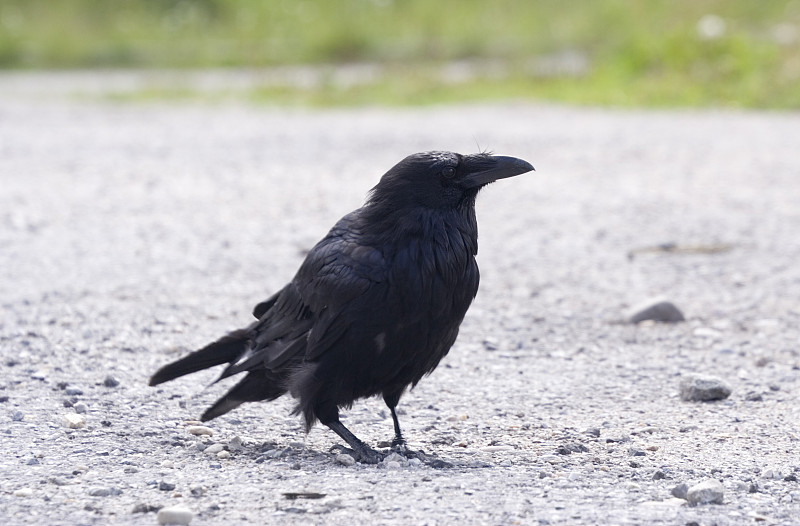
<point x="298" y="454"/>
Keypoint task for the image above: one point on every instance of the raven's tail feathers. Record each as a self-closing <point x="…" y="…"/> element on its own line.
<point x="256" y="386"/>
<point x="225" y="350"/>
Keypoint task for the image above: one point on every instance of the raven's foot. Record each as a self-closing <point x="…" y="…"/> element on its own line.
<point x="365" y="455"/>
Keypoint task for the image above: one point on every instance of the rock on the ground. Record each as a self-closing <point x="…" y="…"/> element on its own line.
<point x="707" y="492"/>
<point x="200" y="430"/>
<point x="680" y="491"/>
<point x="174" y="515"/>
<point x="654" y="310"/>
<point x="213" y="449"/>
<point x="73" y="421"/>
<point x="100" y="492"/>
<point x="345" y="459"/>
<point x="703" y="388"/>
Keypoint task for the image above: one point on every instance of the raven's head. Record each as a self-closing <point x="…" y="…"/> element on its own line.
<point x="443" y="179"/>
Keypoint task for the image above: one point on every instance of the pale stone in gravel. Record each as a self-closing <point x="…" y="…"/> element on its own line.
<point x="174" y="515"/>
<point x="213" y="449"/>
<point x="73" y="421"/>
<point x="100" y="492"/>
<point x="23" y="492"/>
<point x="223" y="455"/>
<point x="345" y="459"/>
<point x="200" y="430"/>
<point x="708" y="491"/>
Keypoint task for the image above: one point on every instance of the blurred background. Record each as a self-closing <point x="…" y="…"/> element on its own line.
<point x="668" y="53"/>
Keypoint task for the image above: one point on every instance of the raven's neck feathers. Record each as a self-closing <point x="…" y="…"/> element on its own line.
<point x="386" y="220"/>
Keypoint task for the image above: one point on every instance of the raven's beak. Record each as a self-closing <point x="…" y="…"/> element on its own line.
<point x="490" y="168"/>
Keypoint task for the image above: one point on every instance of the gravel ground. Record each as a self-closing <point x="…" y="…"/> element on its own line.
<point x="131" y="234"/>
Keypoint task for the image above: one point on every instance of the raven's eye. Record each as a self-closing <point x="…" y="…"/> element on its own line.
<point x="449" y="172"/>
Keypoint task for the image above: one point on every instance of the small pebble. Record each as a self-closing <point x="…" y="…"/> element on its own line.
<point x="73" y="421"/>
<point x="32" y="462"/>
<point x="17" y="416"/>
<point x="166" y="486"/>
<point x="753" y="396"/>
<point x="593" y="432"/>
<point x="144" y="508"/>
<point x="703" y="388"/>
<point x="174" y="515"/>
<point x="213" y="449"/>
<point x="198" y="491"/>
<point x="99" y="492"/>
<point x="110" y="381"/>
<point x="345" y="459"/>
<point x="225" y="454"/>
<point x="3" y="399"/>
<point x="200" y="430"/>
<point x="680" y="491"/>
<point x="568" y="449"/>
<point x="80" y="408"/>
<point x="236" y="444"/>
<point x="23" y="492"/>
<point x="706" y="492"/>
<point x="655" y="310"/>
<point x="73" y="391"/>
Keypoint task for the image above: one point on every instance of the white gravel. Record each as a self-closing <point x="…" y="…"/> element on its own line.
<point x="130" y="234"/>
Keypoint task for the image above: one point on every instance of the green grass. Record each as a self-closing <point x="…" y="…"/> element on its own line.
<point x="636" y="53"/>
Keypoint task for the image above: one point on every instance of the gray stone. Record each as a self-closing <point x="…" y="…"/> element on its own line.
<point x="110" y="381"/>
<point x="213" y="449"/>
<point x="166" y="486"/>
<point x="655" y="310"/>
<point x="174" y="515"/>
<point x="707" y="492"/>
<point x="100" y="492"/>
<point x="345" y="459"/>
<point x="754" y="396"/>
<point x="703" y="388"/>
<point x="144" y="508"/>
<point x="17" y="416"/>
<point x="680" y="491"/>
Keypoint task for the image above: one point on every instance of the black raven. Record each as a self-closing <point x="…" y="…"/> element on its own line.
<point x="376" y="304"/>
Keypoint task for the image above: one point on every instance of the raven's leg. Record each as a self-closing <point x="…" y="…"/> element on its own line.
<point x="363" y="452"/>
<point x="392" y="400"/>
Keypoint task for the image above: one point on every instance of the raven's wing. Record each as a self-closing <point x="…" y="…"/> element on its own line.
<point x="343" y="271"/>
<point x="310" y="314"/>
